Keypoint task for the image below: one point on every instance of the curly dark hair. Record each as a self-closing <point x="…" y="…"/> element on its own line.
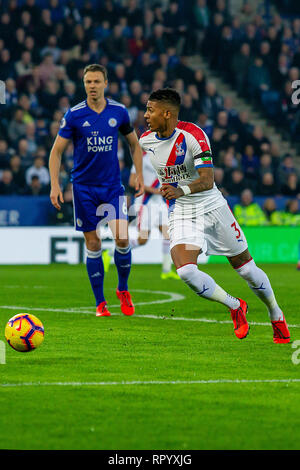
<point x="168" y="95"/>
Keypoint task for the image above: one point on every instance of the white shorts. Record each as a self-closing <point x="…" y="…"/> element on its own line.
<point x="218" y="228"/>
<point x="152" y="215"/>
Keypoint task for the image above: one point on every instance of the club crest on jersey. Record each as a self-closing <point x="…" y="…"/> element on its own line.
<point x="112" y="122"/>
<point x="179" y="152"/>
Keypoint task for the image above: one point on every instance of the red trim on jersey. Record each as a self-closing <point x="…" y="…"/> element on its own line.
<point x="244" y="263"/>
<point x="145" y="133"/>
<point x="186" y="265"/>
<point x="196" y="132"/>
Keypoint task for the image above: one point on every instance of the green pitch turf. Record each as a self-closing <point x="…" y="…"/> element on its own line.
<point x="157" y="380"/>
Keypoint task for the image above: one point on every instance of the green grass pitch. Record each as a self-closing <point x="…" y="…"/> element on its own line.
<point x="166" y="378"/>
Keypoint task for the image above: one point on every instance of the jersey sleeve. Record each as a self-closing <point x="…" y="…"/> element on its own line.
<point x="125" y="127"/>
<point x="66" y="128"/>
<point x="201" y="152"/>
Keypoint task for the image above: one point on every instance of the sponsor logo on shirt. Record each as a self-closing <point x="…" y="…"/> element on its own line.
<point x="173" y="173"/>
<point x="99" y="144"/>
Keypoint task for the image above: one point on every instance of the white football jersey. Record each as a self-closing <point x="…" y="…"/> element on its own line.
<point x="176" y="160"/>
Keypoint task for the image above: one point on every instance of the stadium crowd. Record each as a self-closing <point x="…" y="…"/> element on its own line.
<point x="146" y="46"/>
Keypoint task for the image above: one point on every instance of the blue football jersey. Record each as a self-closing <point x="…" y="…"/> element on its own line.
<point x="95" y="141"/>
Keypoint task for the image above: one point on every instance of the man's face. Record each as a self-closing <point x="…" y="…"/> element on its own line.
<point x="156" y="116"/>
<point x="94" y="84"/>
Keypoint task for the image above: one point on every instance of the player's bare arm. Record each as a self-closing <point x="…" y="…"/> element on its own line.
<point x="137" y="157"/>
<point x="57" y="150"/>
<point x="205" y="182"/>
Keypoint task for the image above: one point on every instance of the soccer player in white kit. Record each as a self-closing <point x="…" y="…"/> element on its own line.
<point x="181" y="154"/>
<point x="152" y="211"/>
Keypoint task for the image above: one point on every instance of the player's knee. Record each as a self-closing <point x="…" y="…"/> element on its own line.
<point x="186" y="272"/>
<point x="122" y="242"/>
<point x="142" y="241"/>
<point x="93" y="245"/>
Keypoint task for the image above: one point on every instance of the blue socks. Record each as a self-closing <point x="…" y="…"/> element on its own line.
<point x="122" y="257"/>
<point x="95" y="269"/>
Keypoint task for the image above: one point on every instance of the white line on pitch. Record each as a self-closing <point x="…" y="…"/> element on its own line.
<point x="152" y="317"/>
<point x="150" y="382"/>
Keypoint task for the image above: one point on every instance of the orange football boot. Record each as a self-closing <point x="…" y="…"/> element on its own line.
<point x="127" y="306"/>
<point x="102" y="310"/>
<point x="281" y="332"/>
<point x="238" y="315"/>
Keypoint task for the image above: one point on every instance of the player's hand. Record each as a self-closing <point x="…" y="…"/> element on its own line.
<point x="169" y="192"/>
<point x="139" y="186"/>
<point x="56" y="196"/>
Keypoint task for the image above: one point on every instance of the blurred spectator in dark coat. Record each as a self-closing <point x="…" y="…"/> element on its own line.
<point x="36" y="188"/>
<point x="211" y="102"/>
<point x="18" y="173"/>
<point x="7" y="185"/>
<point x="267" y="185"/>
<point x="292" y="186"/>
<point x="258" y="78"/>
<point x="235" y="182"/>
<point x="116" y="45"/>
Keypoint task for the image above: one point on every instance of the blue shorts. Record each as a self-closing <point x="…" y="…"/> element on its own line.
<point x="94" y="204"/>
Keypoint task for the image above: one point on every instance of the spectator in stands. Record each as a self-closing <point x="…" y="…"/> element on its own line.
<point x="5" y="154"/>
<point x="17" y="127"/>
<point x="137" y="44"/>
<point x="235" y="182"/>
<point x="18" y="173"/>
<point x="291" y="187"/>
<point x="24" y="65"/>
<point x="23" y="152"/>
<point x="7" y="185"/>
<point x="266" y="165"/>
<point x="38" y="168"/>
<point x="157" y="42"/>
<point x="35" y="188"/>
<point x="267" y="185"/>
<point x="273" y="216"/>
<point x="219" y="180"/>
<point x="116" y="45"/>
<point x="187" y="109"/>
<point x="258" y="78"/>
<point x="211" y="102"/>
<point x="286" y="167"/>
<point x="250" y="163"/>
<point x="292" y="215"/>
<point x="248" y="212"/>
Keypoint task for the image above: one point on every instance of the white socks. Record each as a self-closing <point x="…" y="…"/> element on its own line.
<point x="205" y="286"/>
<point x="167" y="260"/>
<point x="259" y="283"/>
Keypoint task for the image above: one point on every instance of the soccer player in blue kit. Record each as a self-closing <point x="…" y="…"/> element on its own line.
<point x="98" y="194"/>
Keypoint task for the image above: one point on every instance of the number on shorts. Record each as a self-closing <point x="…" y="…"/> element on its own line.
<point x="236" y="230"/>
<point x="124" y="208"/>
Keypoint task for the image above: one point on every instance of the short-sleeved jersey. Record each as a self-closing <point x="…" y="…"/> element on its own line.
<point x="95" y="141"/>
<point x="150" y="179"/>
<point x="177" y="158"/>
